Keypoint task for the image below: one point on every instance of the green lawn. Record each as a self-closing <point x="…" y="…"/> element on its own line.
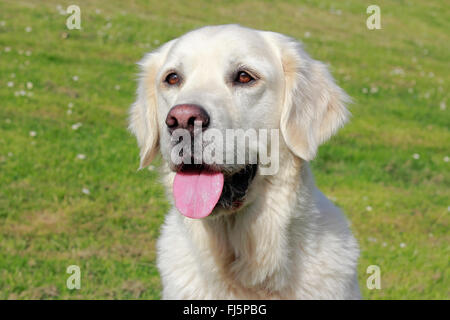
<point x="388" y="168"/>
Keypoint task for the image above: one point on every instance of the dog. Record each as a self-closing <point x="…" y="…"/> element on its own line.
<point x="234" y="233"/>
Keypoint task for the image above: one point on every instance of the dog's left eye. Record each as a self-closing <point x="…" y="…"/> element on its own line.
<point x="172" y="78"/>
<point x="243" y="77"/>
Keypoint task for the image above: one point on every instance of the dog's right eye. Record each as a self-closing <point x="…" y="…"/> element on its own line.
<point x="243" y="77"/>
<point x="172" y="78"/>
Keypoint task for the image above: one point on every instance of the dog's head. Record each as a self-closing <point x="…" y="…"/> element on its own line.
<point x="194" y="89"/>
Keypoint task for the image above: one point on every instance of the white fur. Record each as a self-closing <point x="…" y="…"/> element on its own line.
<point x="288" y="241"/>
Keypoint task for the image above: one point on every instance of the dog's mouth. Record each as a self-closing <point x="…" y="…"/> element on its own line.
<point x="198" y="189"/>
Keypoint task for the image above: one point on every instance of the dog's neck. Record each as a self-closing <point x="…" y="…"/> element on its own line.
<point x="253" y="247"/>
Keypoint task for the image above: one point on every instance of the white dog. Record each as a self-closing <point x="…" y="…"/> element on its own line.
<point x="234" y="233"/>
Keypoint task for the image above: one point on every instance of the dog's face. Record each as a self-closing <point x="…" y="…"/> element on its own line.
<point x="236" y="80"/>
<point x="229" y="77"/>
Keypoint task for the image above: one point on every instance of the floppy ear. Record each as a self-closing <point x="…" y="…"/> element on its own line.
<point x="143" y="121"/>
<point x="314" y="106"/>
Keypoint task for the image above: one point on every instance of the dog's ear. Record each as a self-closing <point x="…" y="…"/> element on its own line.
<point x="143" y="120"/>
<point x="314" y="106"/>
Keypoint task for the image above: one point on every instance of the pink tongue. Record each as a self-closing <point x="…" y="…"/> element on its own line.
<point x="196" y="193"/>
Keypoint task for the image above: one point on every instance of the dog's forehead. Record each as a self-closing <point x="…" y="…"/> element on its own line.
<point x="221" y="43"/>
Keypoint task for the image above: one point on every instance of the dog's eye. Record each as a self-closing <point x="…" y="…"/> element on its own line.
<point x="243" y="77"/>
<point x="172" y="78"/>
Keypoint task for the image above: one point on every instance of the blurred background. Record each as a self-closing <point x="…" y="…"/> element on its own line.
<point x="70" y="192"/>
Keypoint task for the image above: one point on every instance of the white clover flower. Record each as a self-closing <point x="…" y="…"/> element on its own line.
<point x="307" y="34"/>
<point x="10" y="84"/>
<point x="33" y="133"/>
<point x="61" y="9"/>
<point x="85" y="191"/>
<point x="70" y="105"/>
<point x="442" y="105"/>
<point x="369" y="208"/>
<point x="28" y="29"/>
<point x="81" y="156"/>
<point x="446" y="159"/>
<point x="398" y="71"/>
<point x="117" y="87"/>
<point x="7" y="49"/>
<point x="69" y="112"/>
<point x="76" y="126"/>
<point x="402" y="245"/>
<point x="29" y="85"/>
<point x="373" y="90"/>
<point x="416" y="156"/>
<point x="75" y="78"/>
<point x="365" y="90"/>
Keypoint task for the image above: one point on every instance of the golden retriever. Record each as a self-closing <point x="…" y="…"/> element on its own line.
<point x="234" y="232"/>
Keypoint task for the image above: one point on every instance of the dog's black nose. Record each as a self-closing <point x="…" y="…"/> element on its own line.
<point x="184" y="116"/>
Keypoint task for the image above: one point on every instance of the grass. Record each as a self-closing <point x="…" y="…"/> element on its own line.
<point x="398" y="77"/>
